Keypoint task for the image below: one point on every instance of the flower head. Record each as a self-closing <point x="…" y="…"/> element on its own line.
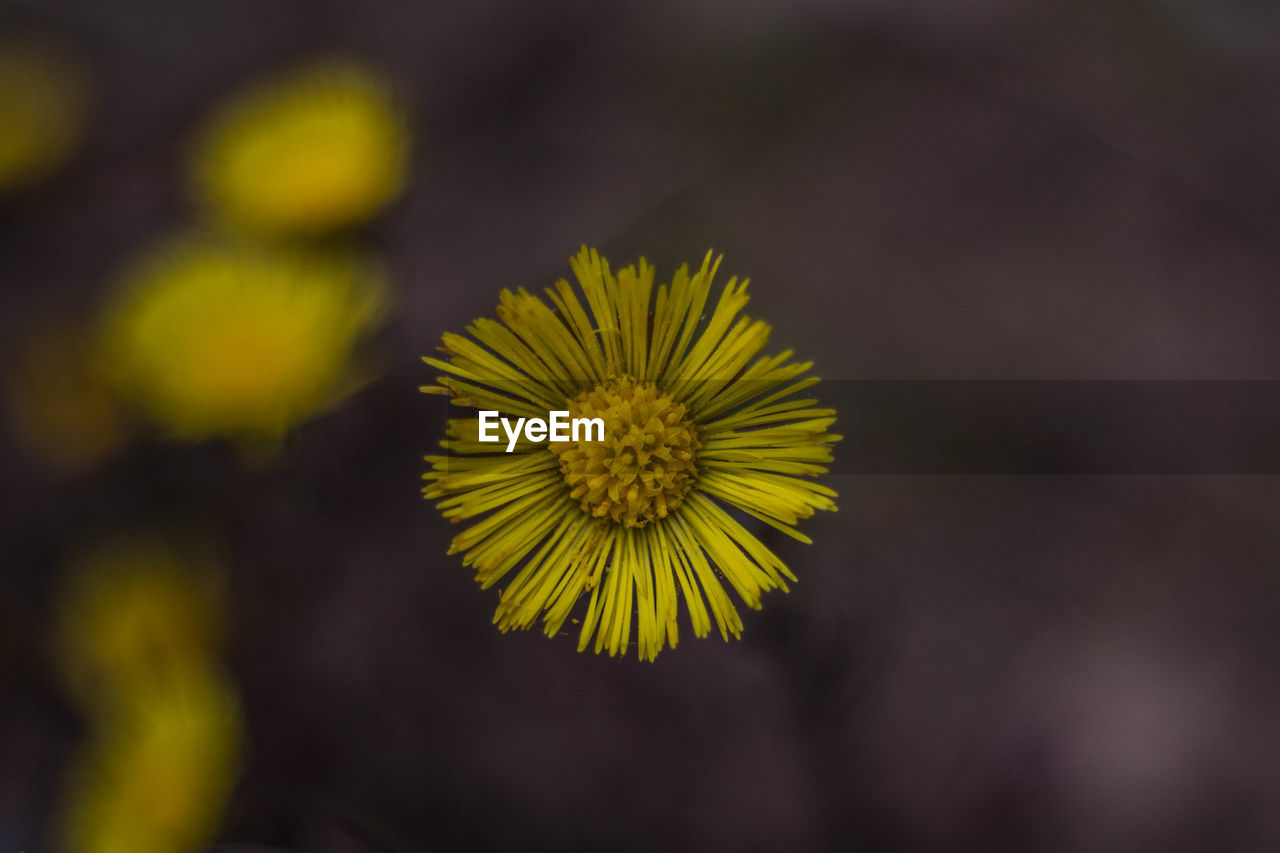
<point x="694" y="421"/>
<point x="138" y="633"/>
<point x="312" y="152"/>
<point x="214" y="338"/>
<point x="134" y="611"/>
<point x="43" y="108"/>
<point x="159" y="770"/>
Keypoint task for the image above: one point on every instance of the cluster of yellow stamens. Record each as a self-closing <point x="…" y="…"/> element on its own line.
<point x="645" y="465"/>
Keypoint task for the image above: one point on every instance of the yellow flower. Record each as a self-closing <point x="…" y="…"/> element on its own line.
<point x="43" y="107"/>
<point x="318" y="150"/>
<point x="693" y="421"/>
<point x="132" y="612"/>
<point x="220" y="339"/>
<point x="158" y="771"/>
<point x="61" y="409"/>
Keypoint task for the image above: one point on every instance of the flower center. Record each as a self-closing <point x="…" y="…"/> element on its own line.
<point x="644" y="467"/>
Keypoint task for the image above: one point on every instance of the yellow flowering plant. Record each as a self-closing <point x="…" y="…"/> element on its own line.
<point x="311" y="152"/>
<point x="138" y="640"/>
<point x="160" y="769"/>
<point x="218" y="338"/>
<point x="694" y="422"/>
<point x="133" y="611"/>
<point x="44" y="106"/>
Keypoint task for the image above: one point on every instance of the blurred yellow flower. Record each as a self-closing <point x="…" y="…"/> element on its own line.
<point x="159" y="771"/>
<point x="214" y="338"/>
<point x="61" y="409"/>
<point x="43" y="108"/>
<point x="133" y="612"/>
<point x="309" y="153"/>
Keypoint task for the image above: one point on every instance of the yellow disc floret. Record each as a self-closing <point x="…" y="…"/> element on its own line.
<point x="309" y="154"/>
<point x="645" y="465"/>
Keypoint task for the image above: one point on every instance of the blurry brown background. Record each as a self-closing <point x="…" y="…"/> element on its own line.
<point x="917" y="190"/>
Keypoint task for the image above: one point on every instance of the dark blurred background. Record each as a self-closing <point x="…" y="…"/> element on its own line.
<point x="927" y="190"/>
